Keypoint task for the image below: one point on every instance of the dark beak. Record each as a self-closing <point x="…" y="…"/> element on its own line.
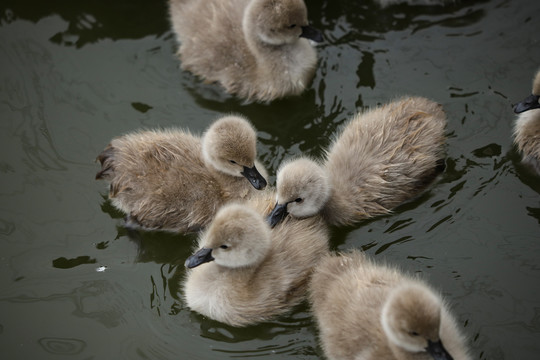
<point x="437" y="350"/>
<point x="277" y="215"/>
<point x="311" y="33"/>
<point x="254" y="177"/>
<point x="202" y="256"/>
<point x="530" y="102"/>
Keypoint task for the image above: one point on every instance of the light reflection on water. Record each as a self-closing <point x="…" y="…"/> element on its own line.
<point x="73" y="76"/>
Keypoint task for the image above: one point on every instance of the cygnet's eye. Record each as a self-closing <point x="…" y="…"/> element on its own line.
<point x="292" y="26"/>
<point x="223" y="246"/>
<point x="413" y="333"/>
<point x="299" y="200"/>
<point x="232" y="162"/>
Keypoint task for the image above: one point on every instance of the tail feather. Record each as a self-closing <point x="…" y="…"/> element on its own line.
<point x="106" y="158"/>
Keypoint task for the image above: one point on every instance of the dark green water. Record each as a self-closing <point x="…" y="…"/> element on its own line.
<point x="75" y="74"/>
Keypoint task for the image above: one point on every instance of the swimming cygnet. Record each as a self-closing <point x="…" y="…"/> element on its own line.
<point x="256" y="49"/>
<point x="527" y="126"/>
<point x="380" y="159"/>
<point x="245" y="272"/>
<point x="173" y="180"/>
<point x="369" y="311"/>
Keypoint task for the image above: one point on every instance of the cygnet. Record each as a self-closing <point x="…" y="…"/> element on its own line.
<point x="380" y="159"/>
<point x="245" y="272"/>
<point x="256" y="49"/>
<point x="368" y="311"/>
<point x="173" y="180"/>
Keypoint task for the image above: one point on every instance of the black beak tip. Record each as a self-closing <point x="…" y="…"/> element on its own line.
<point x="202" y="256"/>
<point x="254" y="177"/>
<point x="518" y="108"/>
<point x="318" y="37"/>
<point x="261" y="184"/>
<point x="437" y="351"/>
<point x="311" y="33"/>
<point x="531" y="102"/>
<point x="272" y="221"/>
<point x="277" y="215"/>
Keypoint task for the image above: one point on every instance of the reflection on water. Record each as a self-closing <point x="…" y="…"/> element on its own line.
<point x="534" y="212"/>
<point x="167" y="285"/>
<point x="261" y="340"/>
<point x="366" y="17"/>
<point x="92" y="21"/>
<point x="159" y="246"/>
<point x="63" y="263"/>
<point x="290" y="323"/>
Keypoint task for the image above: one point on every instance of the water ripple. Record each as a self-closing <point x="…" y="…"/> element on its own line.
<point x="6" y="227"/>
<point x="401" y="240"/>
<point x="62" y="346"/>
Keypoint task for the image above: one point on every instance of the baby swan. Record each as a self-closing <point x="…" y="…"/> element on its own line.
<point x="254" y="273"/>
<point x="527" y="126"/>
<point x="173" y="180"/>
<point x="380" y="159"/>
<point x="368" y="311"/>
<point x="257" y="49"/>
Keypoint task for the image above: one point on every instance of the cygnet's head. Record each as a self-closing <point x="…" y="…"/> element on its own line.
<point x="229" y="145"/>
<point x="303" y="188"/>
<point x="532" y="101"/>
<point x="279" y="22"/>
<point x="411" y="319"/>
<point x="237" y="237"/>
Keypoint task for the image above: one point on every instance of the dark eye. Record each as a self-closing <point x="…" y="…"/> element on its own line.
<point x="224" y="247"/>
<point x="292" y="26"/>
<point x="232" y="162"/>
<point x="299" y="200"/>
<point x="413" y="333"/>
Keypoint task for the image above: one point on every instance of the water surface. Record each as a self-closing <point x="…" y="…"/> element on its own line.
<point x="73" y="75"/>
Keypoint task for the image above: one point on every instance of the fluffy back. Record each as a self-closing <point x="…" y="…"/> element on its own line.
<point x="383" y="157"/>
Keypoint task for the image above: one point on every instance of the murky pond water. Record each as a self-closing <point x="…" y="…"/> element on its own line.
<point x="75" y="284"/>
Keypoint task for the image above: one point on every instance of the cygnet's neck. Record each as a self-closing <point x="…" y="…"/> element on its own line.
<point x="232" y="187"/>
<point x="207" y="158"/>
